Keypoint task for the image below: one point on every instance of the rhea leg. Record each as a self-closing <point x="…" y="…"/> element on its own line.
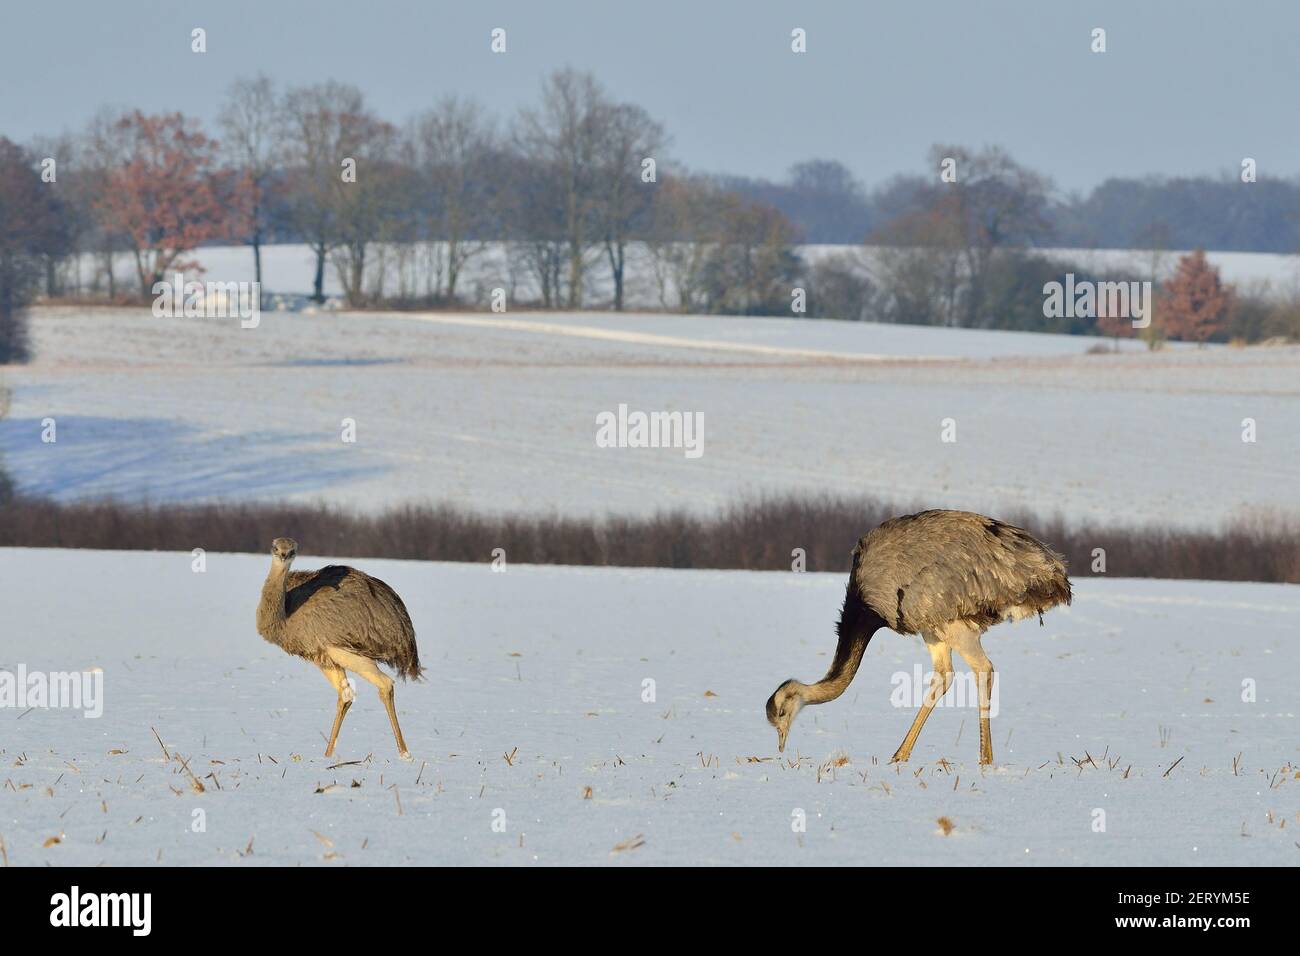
<point x="336" y="676"/>
<point x="967" y="644"/>
<point x="941" y="661"/>
<point x="365" y="668"/>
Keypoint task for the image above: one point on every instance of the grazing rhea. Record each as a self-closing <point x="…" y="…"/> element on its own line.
<point x="340" y="619"/>
<point x="949" y="576"/>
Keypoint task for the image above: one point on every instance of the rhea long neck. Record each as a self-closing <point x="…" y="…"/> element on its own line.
<point x="270" y="610"/>
<point x="857" y="625"/>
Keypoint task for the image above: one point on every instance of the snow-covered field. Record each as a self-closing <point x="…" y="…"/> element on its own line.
<point x="498" y="412"/>
<point x="533" y="742"/>
<point x="1127" y="731"/>
<point x="290" y="268"/>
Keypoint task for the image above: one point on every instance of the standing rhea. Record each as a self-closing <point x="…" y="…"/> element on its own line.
<point x="949" y="576"/>
<point x="340" y="619"/>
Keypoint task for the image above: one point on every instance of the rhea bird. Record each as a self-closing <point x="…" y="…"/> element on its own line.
<point x="340" y="619"/>
<point x="948" y="576"/>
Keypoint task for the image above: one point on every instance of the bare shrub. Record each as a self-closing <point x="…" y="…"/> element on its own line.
<point x="757" y="534"/>
<point x="841" y="288"/>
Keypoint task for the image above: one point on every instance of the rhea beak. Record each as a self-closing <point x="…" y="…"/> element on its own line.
<point x="781" y="733"/>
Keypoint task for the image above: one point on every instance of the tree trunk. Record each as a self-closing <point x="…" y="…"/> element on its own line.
<point x="318" y="282"/>
<point x="108" y="267"/>
<point x="573" y="229"/>
<point x="453" y="267"/>
<point x="146" y="285"/>
<point x="257" y="265"/>
<point x="616" y="265"/>
<point x="545" y="274"/>
<point x="355" y="292"/>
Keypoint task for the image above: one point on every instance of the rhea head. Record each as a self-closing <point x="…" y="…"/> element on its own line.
<point x="283" y="551"/>
<point x="781" y="708"/>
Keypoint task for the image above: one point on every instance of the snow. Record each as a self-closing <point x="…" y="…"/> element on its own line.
<point x="498" y="413"/>
<point x="1273" y="275"/>
<point x="290" y="268"/>
<point x="548" y="664"/>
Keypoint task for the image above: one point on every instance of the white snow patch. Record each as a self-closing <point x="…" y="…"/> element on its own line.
<point x="547" y="665"/>
<point x="499" y="413"/>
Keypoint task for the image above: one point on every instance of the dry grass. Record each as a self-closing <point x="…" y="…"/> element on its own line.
<point x="758" y="534"/>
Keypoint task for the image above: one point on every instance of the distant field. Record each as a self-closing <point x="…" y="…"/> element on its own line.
<point x="290" y="268"/>
<point x="498" y="413"/>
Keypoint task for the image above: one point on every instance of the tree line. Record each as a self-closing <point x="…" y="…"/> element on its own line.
<point x="964" y="248"/>
<point x="567" y="185"/>
<point x="828" y="204"/>
<point x="570" y="187"/>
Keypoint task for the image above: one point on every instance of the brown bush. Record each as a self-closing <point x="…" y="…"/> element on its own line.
<point x="759" y="534"/>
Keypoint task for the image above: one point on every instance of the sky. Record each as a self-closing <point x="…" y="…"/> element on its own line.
<point x="1185" y="87"/>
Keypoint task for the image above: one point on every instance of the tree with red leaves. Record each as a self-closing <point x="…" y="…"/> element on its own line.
<point x="1194" y="304"/>
<point x="163" y="194"/>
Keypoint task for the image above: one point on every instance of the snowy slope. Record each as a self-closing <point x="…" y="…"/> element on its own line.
<point x="499" y="413"/>
<point x="548" y="665"/>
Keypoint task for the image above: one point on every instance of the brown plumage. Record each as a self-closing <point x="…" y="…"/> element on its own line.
<point x="340" y="619"/>
<point x="923" y="571"/>
<point x="339" y="606"/>
<point x="948" y="576"/>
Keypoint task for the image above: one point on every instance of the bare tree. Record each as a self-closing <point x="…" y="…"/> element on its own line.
<point x="752" y="266"/>
<point x="916" y="262"/>
<point x="943" y="253"/>
<point x="561" y="137"/>
<point x="451" y="145"/>
<point x="251" y="121"/>
<point x="333" y="135"/>
<point x="994" y="202"/>
<point x="628" y="136"/>
<point x="715" y="251"/>
<point x="841" y="287"/>
<point x="368" y="211"/>
<point x="75" y="210"/>
<point x="104" y="146"/>
<point x="684" y="223"/>
<point x="543" y="245"/>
